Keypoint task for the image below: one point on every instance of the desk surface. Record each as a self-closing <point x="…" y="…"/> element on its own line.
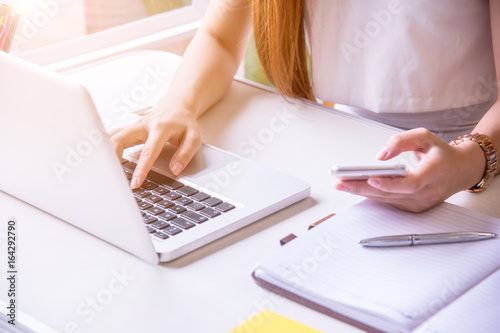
<point x="74" y="282"/>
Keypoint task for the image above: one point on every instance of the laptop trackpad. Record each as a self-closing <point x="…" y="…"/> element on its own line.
<point x="206" y="160"/>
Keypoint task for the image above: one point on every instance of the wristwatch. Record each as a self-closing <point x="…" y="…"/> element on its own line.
<point x="490" y="153"/>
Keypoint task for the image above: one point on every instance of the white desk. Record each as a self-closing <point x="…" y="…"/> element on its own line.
<point x="75" y="282"/>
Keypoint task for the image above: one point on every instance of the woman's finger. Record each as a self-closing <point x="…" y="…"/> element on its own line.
<point x="149" y="153"/>
<point x="419" y="139"/>
<point x="185" y="151"/>
<point x="128" y="137"/>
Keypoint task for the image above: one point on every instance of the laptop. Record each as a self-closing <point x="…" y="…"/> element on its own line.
<point x="58" y="158"/>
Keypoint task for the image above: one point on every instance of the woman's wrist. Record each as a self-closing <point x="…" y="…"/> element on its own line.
<point x="179" y="105"/>
<point x="477" y="160"/>
<point x="471" y="164"/>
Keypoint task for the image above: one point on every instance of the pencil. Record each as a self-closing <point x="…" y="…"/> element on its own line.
<point x="3" y="10"/>
<point x="6" y="32"/>
<point x="12" y="32"/>
<point x="2" y="25"/>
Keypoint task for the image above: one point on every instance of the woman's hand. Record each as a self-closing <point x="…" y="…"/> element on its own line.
<point x="442" y="171"/>
<point x="166" y="123"/>
<point x="201" y="80"/>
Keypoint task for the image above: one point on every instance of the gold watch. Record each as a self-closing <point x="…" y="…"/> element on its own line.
<point x="490" y="153"/>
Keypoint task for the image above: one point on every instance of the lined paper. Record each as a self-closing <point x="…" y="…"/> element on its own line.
<point x="476" y="311"/>
<point x="401" y="286"/>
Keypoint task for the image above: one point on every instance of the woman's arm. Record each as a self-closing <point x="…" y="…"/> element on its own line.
<point x="490" y="123"/>
<point x="442" y="170"/>
<point x="203" y="77"/>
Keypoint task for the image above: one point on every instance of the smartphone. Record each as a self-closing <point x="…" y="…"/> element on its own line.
<point x="365" y="172"/>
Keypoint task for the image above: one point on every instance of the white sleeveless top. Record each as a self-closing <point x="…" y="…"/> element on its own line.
<point x="406" y="56"/>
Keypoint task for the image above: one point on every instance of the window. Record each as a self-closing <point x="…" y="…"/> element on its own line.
<point x="53" y="31"/>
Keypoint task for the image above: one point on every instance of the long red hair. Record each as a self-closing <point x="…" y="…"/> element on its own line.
<point x="281" y="45"/>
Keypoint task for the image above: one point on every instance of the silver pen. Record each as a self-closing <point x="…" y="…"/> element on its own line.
<point x="439" y="238"/>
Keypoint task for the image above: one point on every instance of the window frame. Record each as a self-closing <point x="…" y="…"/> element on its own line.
<point x="151" y="32"/>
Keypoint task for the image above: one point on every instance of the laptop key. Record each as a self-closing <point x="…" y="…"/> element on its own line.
<point x="195" y="206"/>
<point x="195" y="217"/>
<point x="155" y="211"/>
<point x="130" y="166"/>
<point x="224" y="207"/>
<point x="177" y="209"/>
<point x="167" y="216"/>
<point x="151" y="230"/>
<point x="161" y="235"/>
<point x="200" y="196"/>
<point x="187" y="190"/>
<point x="172" y="195"/>
<point x="148" y="219"/>
<point x="172" y="230"/>
<point x="144" y="205"/>
<point x="184" y="201"/>
<point x="147" y="185"/>
<point x="142" y="194"/>
<point x="160" y="225"/>
<point x="165" y="204"/>
<point x="164" y="181"/>
<point x="210" y="212"/>
<point x="212" y="201"/>
<point x="154" y="198"/>
<point x="161" y="190"/>
<point x="183" y="223"/>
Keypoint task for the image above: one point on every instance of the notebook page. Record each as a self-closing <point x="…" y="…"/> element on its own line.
<point x="476" y="311"/>
<point x="402" y="284"/>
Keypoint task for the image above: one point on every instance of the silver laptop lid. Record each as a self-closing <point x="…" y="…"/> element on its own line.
<point x="58" y="158"/>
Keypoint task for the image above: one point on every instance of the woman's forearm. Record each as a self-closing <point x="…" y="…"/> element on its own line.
<point x="212" y="58"/>
<point x="490" y="123"/>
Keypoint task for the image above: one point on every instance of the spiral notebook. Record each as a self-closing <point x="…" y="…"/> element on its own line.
<point x="399" y="289"/>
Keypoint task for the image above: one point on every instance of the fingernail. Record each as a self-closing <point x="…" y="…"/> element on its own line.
<point x="134" y="183"/>
<point x="374" y="182"/>
<point x="177" y="168"/>
<point x="382" y="153"/>
<point x="341" y="187"/>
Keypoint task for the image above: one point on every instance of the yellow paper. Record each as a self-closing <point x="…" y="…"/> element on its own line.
<point x="269" y="322"/>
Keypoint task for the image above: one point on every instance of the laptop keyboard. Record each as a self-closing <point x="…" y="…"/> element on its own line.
<point x="169" y="207"/>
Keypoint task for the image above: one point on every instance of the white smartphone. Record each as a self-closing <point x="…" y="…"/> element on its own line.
<point x="365" y="172"/>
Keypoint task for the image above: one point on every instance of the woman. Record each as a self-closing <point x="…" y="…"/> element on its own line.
<point x="410" y="64"/>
